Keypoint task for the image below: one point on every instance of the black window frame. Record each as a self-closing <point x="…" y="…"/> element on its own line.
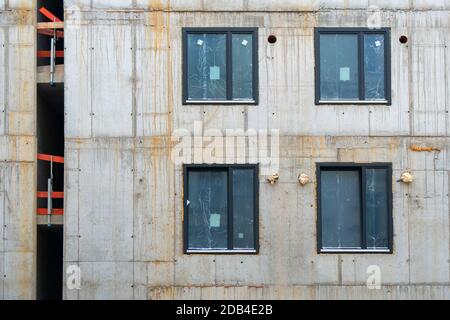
<point x="361" y="167"/>
<point x="229" y="81"/>
<point x="229" y="168"/>
<point x="387" y="64"/>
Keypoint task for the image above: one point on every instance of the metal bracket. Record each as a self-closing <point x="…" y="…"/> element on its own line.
<point x="49" y="195"/>
<point x="52" y="59"/>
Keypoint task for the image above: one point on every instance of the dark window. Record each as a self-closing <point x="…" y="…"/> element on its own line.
<point x="221" y="208"/>
<point x="352" y="65"/>
<point x="354" y="207"/>
<point x="220" y="65"/>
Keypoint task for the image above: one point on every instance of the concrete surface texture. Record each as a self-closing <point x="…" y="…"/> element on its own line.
<point x="123" y="222"/>
<point x="17" y="150"/>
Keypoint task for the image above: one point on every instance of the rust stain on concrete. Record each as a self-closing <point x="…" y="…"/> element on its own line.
<point x="424" y="149"/>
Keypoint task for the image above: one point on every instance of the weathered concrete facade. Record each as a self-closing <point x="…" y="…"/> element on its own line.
<point x="124" y="194"/>
<point x="123" y="100"/>
<point x="17" y="149"/>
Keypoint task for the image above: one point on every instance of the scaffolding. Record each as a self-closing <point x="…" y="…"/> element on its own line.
<point x="55" y="30"/>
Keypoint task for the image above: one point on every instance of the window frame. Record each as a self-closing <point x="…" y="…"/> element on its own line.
<point x="229" y="168"/>
<point x="361" y="167"/>
<point x="229" y="80"/>
<point x="360" y="32"/>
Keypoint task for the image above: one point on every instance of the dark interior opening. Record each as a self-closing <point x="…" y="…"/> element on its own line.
<point x="50" y="136"/>
<point x="50" y="132"/>
<point x="49" y="262"/>
<point x="43" y="42"/>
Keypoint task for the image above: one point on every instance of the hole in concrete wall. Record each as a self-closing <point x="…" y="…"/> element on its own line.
<point x="49" y="262"/>
<point x="272" y="39"/>
<point x="403" y="39"/>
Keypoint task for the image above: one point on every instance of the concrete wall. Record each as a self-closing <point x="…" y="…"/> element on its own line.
<point x="123" y="221"/>
<point x="17" y="149"/>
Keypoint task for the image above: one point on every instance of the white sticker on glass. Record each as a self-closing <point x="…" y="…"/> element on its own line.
<point x="241" y="236"/>
<point x="244" y="42"/>
<point x="214" y="220"/>
<point x="344" y="74"/>
<point x="378" y="43"/>
<point x="200" y="42"/>
<point x="214" y="73"/>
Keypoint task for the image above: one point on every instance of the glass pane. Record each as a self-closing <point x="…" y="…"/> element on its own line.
<point x="374" y="66"/>
<point x="243" y="209"/>
<point x="242" y="66"/>
<point x="339" y="67"/>
<point x="207" y="221"/>
<point x="377" y="208"/>
<point x="341" y="211"/>
<point x="206" y="67"/>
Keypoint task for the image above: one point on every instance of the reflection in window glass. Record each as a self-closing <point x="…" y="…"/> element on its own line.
<point x="220" y="65"/>
<point x="339" y="76"/>
<point x="353" y="65"/>
<point x="207" y="67"/>
<point x="207" y="209"/>
<point x="242" y="45"/>
<point x="221" y="208"/>
<point x="355" y="208"/>
<point x="376" y="208"/>
<point x="340" y="209"/>
<point x="243" y="209"/>
<point x="374" y="66"/>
